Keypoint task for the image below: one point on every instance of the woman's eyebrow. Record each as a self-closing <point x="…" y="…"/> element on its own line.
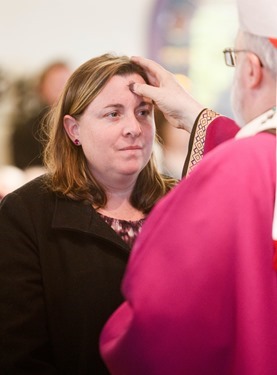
<point x="144" y="103"/>
<point x="115" y="105"/>
<point x="118" y="105"/>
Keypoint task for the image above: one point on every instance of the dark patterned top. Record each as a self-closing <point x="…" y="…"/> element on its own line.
<point x="127" y="230"/>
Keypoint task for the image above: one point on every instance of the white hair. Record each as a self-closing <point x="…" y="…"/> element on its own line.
<point x="264" y="50"/>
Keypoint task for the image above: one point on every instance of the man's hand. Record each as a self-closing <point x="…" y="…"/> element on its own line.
<point x="177" y="105"/>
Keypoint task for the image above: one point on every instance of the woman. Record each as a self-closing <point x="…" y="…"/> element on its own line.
<point x="66" y="236"/>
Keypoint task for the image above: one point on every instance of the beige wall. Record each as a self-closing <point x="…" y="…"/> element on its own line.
<point x="34" y="31"/>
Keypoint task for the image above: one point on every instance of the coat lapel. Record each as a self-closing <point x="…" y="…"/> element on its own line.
<point x="76" y="216"/>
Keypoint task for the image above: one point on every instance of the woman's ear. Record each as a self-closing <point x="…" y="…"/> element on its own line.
<point x="72" y="128"/>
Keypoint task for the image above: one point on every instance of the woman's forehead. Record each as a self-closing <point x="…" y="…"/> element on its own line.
<point x="119" y="86"/>
<point x="117" y="92"/>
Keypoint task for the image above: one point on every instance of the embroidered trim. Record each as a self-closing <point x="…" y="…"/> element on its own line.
<point x="197" y="139"/>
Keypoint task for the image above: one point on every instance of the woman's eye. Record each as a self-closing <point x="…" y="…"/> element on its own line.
<point x="144" y="112"/>
<point x="112" y="114"/>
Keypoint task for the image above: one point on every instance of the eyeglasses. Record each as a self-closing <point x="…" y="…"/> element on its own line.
<point x="230" y="56"/>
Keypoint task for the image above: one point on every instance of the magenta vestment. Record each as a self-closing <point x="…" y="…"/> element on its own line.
<point x="219" y="130"/>
<point x="200" y="288"/>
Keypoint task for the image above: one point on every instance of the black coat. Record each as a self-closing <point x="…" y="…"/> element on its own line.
<point x="61" y="268"/>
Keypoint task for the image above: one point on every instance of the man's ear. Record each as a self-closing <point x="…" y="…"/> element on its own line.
<point x="255" y="70"/>
<point x="71" y="127"/>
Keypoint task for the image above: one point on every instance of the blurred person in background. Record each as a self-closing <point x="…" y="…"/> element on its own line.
<point x="201" y="282"/>
<point x="34" y="100"/>
<point x="11" y="178"/>
<point x="66" y="236"/>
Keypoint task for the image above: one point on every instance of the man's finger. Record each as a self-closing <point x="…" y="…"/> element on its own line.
<point x="154" y="71"/>
<point x="143" y="89"/>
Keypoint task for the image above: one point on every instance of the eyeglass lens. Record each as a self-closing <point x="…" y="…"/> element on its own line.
<point x="229" y="58"/>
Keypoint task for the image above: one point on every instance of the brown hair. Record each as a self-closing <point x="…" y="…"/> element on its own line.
<point x="67" y="165"/>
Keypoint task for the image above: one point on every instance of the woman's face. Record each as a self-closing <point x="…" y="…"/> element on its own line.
<point x="116" y="132"/>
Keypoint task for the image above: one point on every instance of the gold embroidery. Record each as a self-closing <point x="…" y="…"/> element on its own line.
<point x="197" y="141"/>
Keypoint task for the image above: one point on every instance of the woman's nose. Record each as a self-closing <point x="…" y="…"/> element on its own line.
<point x="132" y="126"/>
